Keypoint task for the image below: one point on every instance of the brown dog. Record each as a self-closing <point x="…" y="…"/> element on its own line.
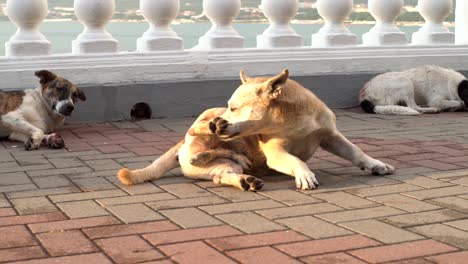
<point x="279" y="123"/>
<point x="30" y="115"/>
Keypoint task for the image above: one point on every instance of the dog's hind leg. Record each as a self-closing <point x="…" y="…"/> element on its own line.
<point x="205" y="157"/>
<point x="445" y="105"/>
<point x="337" y="144"/>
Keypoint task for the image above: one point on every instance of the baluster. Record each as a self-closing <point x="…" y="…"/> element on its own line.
<point x="159" y="36"/>
<point x="94" y="15"/>
<point x="461" y="23"/>
<point x="385" y="32"/>
<point x="279" y="34"/>
<point x="27" y="41"/>
<point x="221" y="35"/>
<point x="434" y="32"/>
<point x="334" y="32"/>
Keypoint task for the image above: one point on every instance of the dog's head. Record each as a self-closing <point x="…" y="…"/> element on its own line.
<point x="252" y="108"/>
<point x="59" y="93"/>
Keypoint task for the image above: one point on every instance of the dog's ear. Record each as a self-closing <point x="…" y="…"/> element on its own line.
<point x="80" y="94"/>
<point x="463" y="91"/>
<point x="244" y="77"/>
<point x="45" y="76"/>
<point x="274" y="85"/>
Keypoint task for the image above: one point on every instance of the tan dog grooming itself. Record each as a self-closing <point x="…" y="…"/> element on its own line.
<point x="279" y="125"/>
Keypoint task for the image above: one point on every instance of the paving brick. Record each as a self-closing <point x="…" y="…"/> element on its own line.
<point x="66" y="243"/>
<point x="28" y="219"/>
<point x="15" y="254"/>
<point x="300" y="210"/>
<point x="194" y="252"/>
<point x="359" y="214"/>
<point x="448" y="174"/>
<point x="314" y="227"/>
<point x="460" y="224"/>
<point x="52" y="181"/>
<point x="443" y="233"/>
<point x="452" y="202"/>
<point x="86" y="196"/>
<point x="250" y="223"/>
<point x="104" y="164"/>
<point x="261" y="255"/>
<point x="3" y="201"/>
<point x="35" y="205"/>
<point x="233" y="194"/>
<point x="73" y="224"/>
<point x="185" y="190"/>
<point x="190" y="217"/>
<point x="136" y="199"/>
<point x="128" y="249"/>
<point x="132" y="213"/>
<point x="422" y="181"/>
<point x="386" y="189"/>
<point x="241" y="207"/>
<point x="84" y="258"/>
<point x="5" y="169"/>
<point x="411" y="261"/>
<point x="81" y="209"/>
<point x="14" y="188"/>
<point x="450" y="258"/>
<point x="94" y="184"/>
<point x="185" y="235"/>
<point x="322" y="246"/>
<point x="341" y="258"/>
<point x="129" y="229"/>
<point x="381" y="231"/>
<point x="189" y="202"/>
<point x="50" y="172"/>
<point x="14" y="178"/>
<point x="404" y="203"/>
<point x="15" y="236"/>
<point x="61" y="163"/>
<point x="290" y="197"/>
<point x="440" y="192"/>
<point x="345" y="200"/>
<point x="7" y="212"/>
<point x="423" y="218"/>
<point x="402" y="251"/>
<point x="43" y="192"/>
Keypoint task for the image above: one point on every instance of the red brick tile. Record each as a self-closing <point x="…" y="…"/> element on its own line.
<point x="436" y="165"/>
<point x="114" y="142"/>
<point x="128" y="249"/>
<point x="411" y="261"/>
<point x="13" y="254"/>
<point x="445" y="150"/>
<point x="148" y="136"/>
<point x="145" y="151"/>
<point x="15" y="236"/>
<point x="7" y="212"/>
<point x="340" y="258"/>
<point x="73" y="224"/>
<point x="420" y="156"/>
<point x="190" y="234"/>
<point x="79" y="146"/>
<point x="96" y="258"/>
<point x="329" y="245"/>
<point x="451" y="258"/>
<point x="194" y="252"/>
<point x="402" y="251"/>
<point x="265" y="239"/>
<point x="66" y="243"/>
<point x="261" y="255"/>
<point x="28" y="219"/>
<point x="130" y="229"/>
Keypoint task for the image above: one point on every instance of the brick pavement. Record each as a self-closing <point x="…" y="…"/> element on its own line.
<point x="66" y="206"/>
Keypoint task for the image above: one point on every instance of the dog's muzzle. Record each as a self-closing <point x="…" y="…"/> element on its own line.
<point x="65" y="108"/>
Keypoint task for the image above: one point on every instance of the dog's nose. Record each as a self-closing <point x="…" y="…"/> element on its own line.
<point x="69" y="108"/>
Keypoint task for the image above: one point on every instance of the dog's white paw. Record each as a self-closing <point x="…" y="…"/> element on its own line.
<point x="306" y="181"/>
<point x="379" y="168"/>
<point x="243" y="161"/>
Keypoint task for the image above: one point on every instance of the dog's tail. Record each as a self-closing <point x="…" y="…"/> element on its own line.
<point x="156" y="170"/>
<point x="370" y="108"/>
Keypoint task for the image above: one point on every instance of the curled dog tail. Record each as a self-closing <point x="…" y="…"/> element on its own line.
<point x="156" y="170"/>
<point x="369" y="107"/>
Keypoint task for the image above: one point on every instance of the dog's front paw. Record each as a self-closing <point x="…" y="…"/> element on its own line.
<point x="55" y="141"/>
<point x="29" y="145"/>
<point x="306" y="181"/>
<point x="379" y="168"/>
<point x="218" y="125"/>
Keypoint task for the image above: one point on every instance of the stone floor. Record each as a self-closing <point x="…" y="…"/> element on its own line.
<point x="66" y="206"/>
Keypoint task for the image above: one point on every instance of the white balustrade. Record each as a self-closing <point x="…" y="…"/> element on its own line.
<point x="279" y="34"/>
<point x="94" y="15"/>
<point x="334" y="32"/>
<point x="159" y="36"/>
<point x="434" y="32"/>
<point x="221" y="35"/>
<point x="27" y="41"/>
<point x="461" y="23"/>
<point x="385" y="32"/>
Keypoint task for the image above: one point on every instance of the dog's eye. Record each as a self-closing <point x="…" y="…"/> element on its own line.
<point x="233" y="109"/>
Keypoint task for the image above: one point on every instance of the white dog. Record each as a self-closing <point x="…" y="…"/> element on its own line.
<point x="404" y="93"/>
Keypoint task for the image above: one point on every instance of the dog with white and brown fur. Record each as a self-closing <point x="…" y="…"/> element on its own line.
<point x="405" y="93"/>
<point x="279" y="125"/>
<point x="30" y="116"/>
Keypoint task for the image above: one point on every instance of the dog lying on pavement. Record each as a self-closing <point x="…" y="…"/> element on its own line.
<point x="279" y="125"/>
<point x="403" y="93"/>
<point x="31" y="115"/>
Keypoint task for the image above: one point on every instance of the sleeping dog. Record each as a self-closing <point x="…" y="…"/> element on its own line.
<point x="31" y="115"/>
<point x="404" y="93"/>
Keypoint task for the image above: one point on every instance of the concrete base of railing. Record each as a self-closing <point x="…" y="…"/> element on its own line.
<point x="183" y="83"/>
